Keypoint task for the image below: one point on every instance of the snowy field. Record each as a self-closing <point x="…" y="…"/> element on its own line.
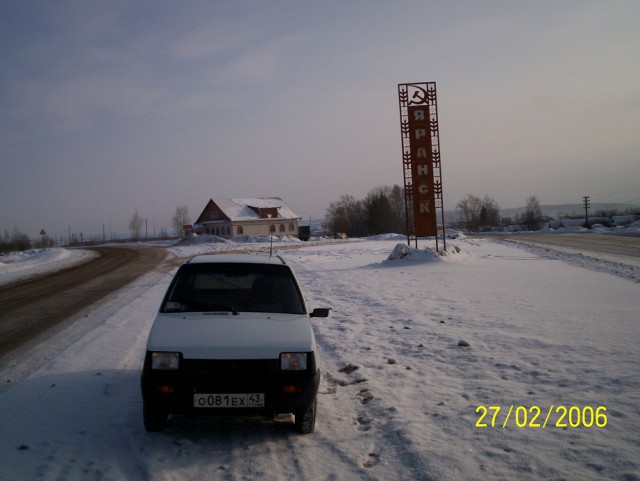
<point x="400" y="399"/>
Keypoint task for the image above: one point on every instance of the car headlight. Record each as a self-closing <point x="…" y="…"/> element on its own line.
<point x="293" y="361"/>
<point x="165" y="361"/>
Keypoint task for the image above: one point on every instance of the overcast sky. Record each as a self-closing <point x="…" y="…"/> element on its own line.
<point x="109" y="107"/>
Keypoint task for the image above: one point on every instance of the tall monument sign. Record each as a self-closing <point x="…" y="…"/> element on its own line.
<point x="421" y="161"/>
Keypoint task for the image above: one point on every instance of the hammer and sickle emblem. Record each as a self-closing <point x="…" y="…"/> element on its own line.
<point x="419" y="96"/>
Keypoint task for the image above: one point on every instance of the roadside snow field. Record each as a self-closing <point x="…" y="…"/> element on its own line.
<point x="400" y="398"/>
<point x="18" y="266"/>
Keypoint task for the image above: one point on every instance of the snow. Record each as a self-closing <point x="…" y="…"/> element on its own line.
<point x="622" y="225"/>
<point x="399" y="396"/>
<point x="241" y="209"/>
<point x="17" y="266"/>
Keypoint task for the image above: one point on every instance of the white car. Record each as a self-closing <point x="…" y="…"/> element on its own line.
<point x="233" y="337"/>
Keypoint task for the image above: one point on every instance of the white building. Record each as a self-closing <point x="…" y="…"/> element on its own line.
<point x="262" y="216"/>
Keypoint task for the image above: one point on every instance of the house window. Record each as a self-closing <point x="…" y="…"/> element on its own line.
<point x="281" y="227"/>
<point x="272" y="228"/>
<point x="240" y="230"/>
<point x="291" y="228"/>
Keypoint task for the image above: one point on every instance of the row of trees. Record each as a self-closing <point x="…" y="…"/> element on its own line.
<point x="381" y="211"/>
<point x="484" y="214"/>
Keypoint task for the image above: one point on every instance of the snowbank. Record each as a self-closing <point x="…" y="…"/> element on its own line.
<point x="17" y="266"/>
<point x="407" y="254"/>
<point x="387" y="237"/>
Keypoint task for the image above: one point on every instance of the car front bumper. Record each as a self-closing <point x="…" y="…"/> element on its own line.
<point x="174" y="392"/>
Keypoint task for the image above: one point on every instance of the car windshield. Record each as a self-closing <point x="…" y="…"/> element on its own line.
<point x="234" y="287"/>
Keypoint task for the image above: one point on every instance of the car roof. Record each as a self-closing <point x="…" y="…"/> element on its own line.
<point x="235" y="259"/>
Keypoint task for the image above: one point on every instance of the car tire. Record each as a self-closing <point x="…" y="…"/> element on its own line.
<point x="154" y="419"/>
<point x="305" y="421"/>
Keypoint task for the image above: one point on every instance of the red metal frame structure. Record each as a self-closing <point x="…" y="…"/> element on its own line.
<point x="421" y="161"/>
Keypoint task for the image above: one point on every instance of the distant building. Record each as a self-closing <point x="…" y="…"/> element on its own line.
<point x="262" y="216"/>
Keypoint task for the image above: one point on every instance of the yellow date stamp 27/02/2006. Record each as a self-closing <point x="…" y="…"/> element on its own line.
<point x="537" y="418"/>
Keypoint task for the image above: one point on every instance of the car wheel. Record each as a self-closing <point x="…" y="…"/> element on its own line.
<point x="154" y="419"/>
<point x="305" y="421"/>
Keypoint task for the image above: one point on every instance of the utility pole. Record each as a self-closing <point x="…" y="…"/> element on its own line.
<point x="586" y="211"/>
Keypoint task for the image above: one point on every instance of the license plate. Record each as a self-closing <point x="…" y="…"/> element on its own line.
<point x="249" y="400"/>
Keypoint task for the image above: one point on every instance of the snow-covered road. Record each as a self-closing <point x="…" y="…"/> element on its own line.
<point x="399" y="396"/>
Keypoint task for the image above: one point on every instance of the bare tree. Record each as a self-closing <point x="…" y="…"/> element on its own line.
<point x="17" y="241"/>
<point x="180" y="219"/>
<point x="489" y="212"/>
<point x="348" y="216"/>
<point x="470" y="209"/>
<point x="479" y="213"/>
<point x="135" y="225"/>
<point x="532" y="214"/>
<point x="381" y="211"/>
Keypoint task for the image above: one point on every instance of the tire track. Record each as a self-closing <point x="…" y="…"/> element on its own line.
<point x="29" y="307"/>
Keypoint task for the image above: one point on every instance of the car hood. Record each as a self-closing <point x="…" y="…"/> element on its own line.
<point x="220" y="335"/>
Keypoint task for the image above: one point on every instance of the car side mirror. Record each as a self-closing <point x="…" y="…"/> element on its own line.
<point x="320" y="312"/>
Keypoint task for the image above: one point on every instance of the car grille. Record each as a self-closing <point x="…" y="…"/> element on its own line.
<point x="229" y="368"/>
